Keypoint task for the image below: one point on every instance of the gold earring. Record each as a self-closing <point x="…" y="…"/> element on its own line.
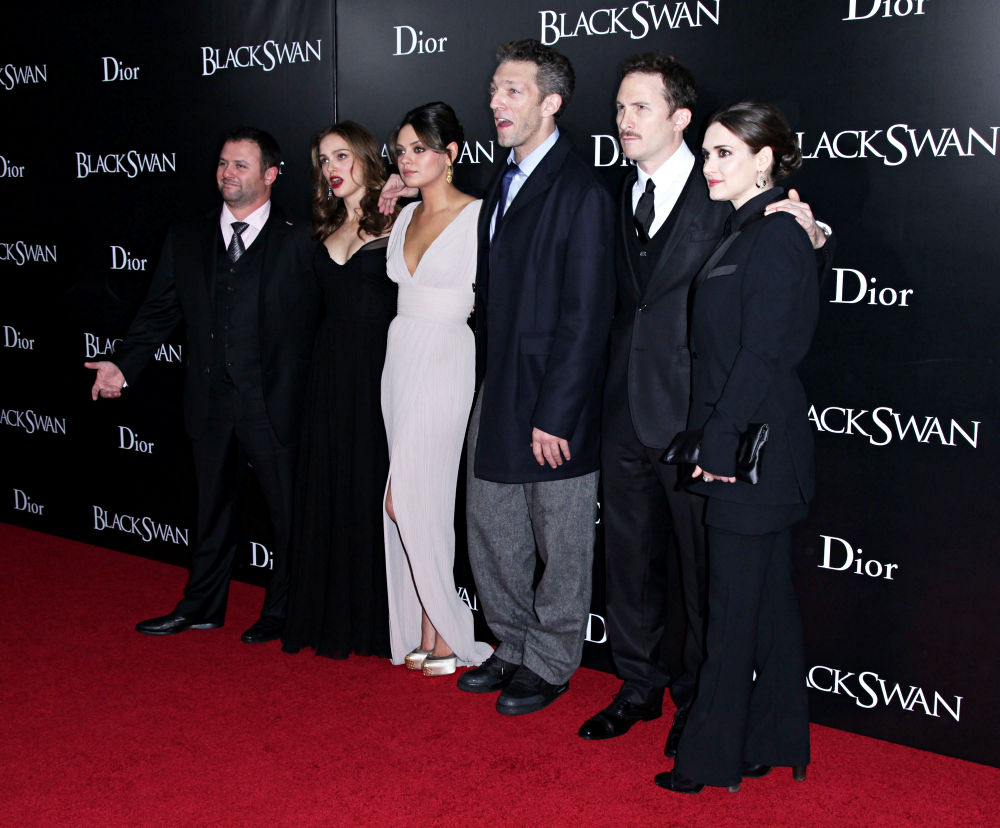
<point x="450" y="174"/>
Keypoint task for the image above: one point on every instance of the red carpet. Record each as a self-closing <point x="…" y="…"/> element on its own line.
<point x="103" y="726"/>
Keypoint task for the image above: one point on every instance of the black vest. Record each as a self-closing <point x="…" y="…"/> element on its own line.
<point x="645" y="255"/>
<point x="236" y="332"/>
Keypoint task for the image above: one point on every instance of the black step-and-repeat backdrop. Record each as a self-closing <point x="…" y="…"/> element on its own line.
<point x="112" y="121"/>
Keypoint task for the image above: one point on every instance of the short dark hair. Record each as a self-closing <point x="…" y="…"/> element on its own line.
<point x="678" y="82"/>
<point x="270" y="152"/>
<point x="554" y="72"/>
<point x="760" y="125"/>
<point x="435" y="123"/>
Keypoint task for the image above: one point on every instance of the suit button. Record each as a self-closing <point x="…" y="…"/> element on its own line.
<point x="694" y="355"/>
<point x="208" y="370"/>
<point x="211" y="334"/>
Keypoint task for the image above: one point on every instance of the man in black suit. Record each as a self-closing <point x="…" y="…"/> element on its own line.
<point x="667" y="229"/>
<point x="544" y="301"/>
<point x="242" y="282"/>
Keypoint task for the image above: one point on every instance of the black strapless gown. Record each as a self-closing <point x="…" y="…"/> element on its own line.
<point x="337" y="599"/>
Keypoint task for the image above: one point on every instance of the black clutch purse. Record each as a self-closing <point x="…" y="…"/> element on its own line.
<point x="686" y="446"/>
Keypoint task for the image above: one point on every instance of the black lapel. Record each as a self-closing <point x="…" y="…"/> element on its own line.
<point x="541" y="177"/>
<point x="211" y="240"/>
<point x="719" y="252"/>
<point x="689" y="206"/>
<point x="627" y="223"/>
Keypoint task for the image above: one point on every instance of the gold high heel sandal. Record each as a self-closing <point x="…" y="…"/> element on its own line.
<point x="440" y="665"/>
<point x="415" y="659"/>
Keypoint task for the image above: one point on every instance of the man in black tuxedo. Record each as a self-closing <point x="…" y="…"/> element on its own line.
<point x="242" y="282"/>
<point x="544" y="301"/>
<point x="667" y="229"/>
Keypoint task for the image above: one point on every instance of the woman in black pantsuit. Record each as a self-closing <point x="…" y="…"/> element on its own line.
<point x="753" y="317"/>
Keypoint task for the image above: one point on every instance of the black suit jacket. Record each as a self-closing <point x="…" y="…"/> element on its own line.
<point x="648" y="387"/>
<point x="754" y="312"/>
<point x="544" y="301"/>
<point x="182" y="288"/>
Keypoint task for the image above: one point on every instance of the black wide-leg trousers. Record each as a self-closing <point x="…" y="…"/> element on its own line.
<point x="753" y="625"/>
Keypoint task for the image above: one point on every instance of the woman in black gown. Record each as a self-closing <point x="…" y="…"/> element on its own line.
<point x="337" y="599"/>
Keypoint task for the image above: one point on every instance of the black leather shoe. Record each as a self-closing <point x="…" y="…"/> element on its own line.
<point x="676" y="729"/>
<point x="616" y="719"/>
<point x="173" y="623"/>
<point x="266" y="629"/>
<point x="528" y="692"/>
<point x="673" y="781"/>
<point x="492" y="674"/>
<point x="756" y="771"/>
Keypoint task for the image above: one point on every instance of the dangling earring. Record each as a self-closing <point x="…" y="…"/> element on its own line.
<point x="448" y="176"/>
<point x="761" y="180"/>
<point x="329" y="190"/>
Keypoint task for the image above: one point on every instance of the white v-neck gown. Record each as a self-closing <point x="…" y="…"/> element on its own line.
<point x="427" y="388"/>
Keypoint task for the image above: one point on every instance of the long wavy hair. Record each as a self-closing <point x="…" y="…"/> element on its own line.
<point x="329" y="211"/>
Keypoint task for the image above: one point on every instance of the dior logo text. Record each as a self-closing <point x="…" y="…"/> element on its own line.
<point x="470" y="598"/>
<point x="636" y="21"/>
<point x="116" y="70"/>
<point x="412" y="41"/>
<point x="607" y="151"/>
<point x="266" y="55"/>
<point x="129" y="163"/>
<point x="840" y="556"/>
<point x="128" y="440"/>
<point x="8" y="170"/>
<point x="32" y="422"/>
<point x="11" y="75"/>
<point x="95" y="346"/>
<point x="145" y="528"/>
<point x="853" y="287"/>
<point x="23" y="503"/>
<point x="21" y="253"/>
<point x="868" y="691"/>
<point x="122" y="259"/>
<point x="260" y="557"/>
<point x="13" y="338"/>
<point x="863" y="9"/>
<point x="895" y="144"/>
<point x="882" y="425"/>
<point x="596" y="627"/>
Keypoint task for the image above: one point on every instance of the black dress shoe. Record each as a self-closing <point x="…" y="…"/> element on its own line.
<point x="618" y="717"/>
<point x="756" y="771"/>
<point x="673" y="781"/>
<point x="528" y="692"/>
<point x="266" y="629"/>
<point x="173" y="623"/>
<point x="676" y="730"/>
<point x="492" y="674"/>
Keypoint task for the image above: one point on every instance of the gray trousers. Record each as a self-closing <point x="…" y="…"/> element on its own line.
<point x="540" y="626"/>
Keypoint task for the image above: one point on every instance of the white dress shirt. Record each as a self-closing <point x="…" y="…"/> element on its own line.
<point x="669" y="179"/>
<point x="257" y="219"/>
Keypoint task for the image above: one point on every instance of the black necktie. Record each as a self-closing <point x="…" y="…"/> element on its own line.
<point x="508" y="176"/>
<point x="644" y="211"/>
<point x="236" y="248"/>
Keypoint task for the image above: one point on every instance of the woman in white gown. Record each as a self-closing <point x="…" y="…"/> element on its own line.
<point x="427" y="389"/>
